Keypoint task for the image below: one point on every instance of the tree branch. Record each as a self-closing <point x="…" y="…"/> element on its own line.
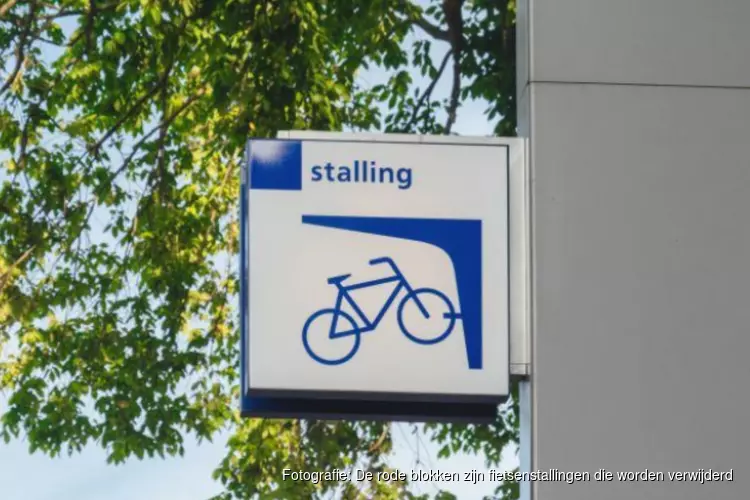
<point x="82" y="12"/>
<point x="151" y="93"/>
<point x="163" y="129"/>
<point x="379" y="442"/>
<point x="21" y="162"/>
<point x="428" y="91"/>
<point x="8" y="5"/>
<point x="90" y="26"/>
<point x="20" y="48"/>
<point x="431" y="29"/>
<point x="6" y="275"/>
<point x="164" y="124"/>
<point x="453" y="106"/>
<point x="130" y="157"/>
<point x="413" y="14"/>
<point x="135" y="108"/>
<point x="454" y="20"/>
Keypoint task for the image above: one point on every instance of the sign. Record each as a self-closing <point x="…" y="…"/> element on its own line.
<point x="375" y="271"/>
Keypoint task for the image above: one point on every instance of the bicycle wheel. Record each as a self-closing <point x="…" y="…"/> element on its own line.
<point x="441" y="313"/>
<point x="334" y="351"/>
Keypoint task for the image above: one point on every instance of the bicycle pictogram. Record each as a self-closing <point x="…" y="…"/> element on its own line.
<point x="336" y="316"/>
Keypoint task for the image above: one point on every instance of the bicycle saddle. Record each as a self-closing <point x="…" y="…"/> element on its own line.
<point x="337" y="279"/>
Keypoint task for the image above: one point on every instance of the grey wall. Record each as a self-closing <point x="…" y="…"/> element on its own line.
<point x="638" y="118"/>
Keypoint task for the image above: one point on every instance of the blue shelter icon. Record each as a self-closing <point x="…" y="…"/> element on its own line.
<point x="461" y="239"/>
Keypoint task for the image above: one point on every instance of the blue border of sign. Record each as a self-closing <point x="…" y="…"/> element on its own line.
<point x="350" y="405"/>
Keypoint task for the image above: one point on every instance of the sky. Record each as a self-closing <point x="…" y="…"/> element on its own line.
<point x="86" y="476"/>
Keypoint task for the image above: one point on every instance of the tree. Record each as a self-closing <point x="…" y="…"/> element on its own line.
<point x="121" y="129"/>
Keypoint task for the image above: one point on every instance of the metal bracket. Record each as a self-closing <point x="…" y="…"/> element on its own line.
<point x="520" y="262"/>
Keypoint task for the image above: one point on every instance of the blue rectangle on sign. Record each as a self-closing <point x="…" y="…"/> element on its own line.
<point x="275" y="164"/>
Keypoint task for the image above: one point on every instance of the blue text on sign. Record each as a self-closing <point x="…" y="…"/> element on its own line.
<point x="362" y="171"/>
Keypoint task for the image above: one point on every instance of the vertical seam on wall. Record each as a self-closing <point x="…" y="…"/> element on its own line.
<point x="532" y="289"/>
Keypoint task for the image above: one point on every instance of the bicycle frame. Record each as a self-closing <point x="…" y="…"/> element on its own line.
<point x="368" y="325"/>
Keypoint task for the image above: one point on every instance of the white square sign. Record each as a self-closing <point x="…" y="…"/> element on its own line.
<point x="376" y="269"/>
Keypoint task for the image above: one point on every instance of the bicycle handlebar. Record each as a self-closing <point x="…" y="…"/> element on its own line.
<point x="381" y="260"/>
